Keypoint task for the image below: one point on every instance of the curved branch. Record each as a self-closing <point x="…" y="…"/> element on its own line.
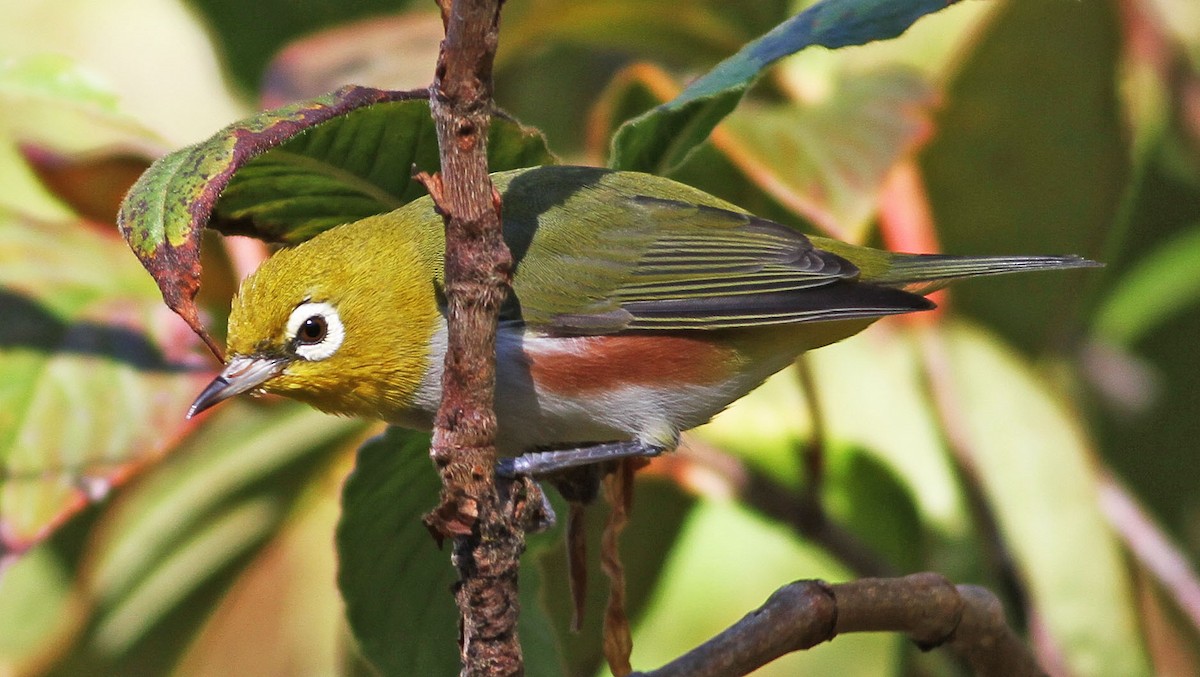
<point x="929" y="609"/>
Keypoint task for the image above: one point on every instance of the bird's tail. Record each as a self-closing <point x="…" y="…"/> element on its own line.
<point x="925" y="273"/>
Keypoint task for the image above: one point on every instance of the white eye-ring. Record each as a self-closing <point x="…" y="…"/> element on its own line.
<point x="316" y="330"/>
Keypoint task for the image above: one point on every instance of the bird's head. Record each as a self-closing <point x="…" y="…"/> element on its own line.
<point x="344" y="322"/>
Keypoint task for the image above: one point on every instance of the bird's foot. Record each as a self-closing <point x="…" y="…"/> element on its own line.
<point x="534" y="512"/>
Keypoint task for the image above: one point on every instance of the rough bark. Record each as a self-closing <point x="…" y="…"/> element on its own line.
<point x="486" y="525"/>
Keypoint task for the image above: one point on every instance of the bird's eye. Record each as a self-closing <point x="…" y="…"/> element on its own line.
<point x="315" y="330"/>
<point x="312" y="330"/>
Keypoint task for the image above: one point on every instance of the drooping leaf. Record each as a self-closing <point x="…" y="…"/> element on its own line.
<point x="662" y="138"/>
<point x="353" y="149"/>
<point x="166" y="209"/>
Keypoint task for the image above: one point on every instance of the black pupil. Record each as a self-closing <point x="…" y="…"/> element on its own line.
<point x="313" y="330"/>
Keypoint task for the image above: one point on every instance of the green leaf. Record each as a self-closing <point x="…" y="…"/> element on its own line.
<point x="396" y="583"/>
<point x="198" y="518"/>
<point x="1039" y="476"/>
<point x="344" y="155"/>
<point x="161" y="556"/>
<point x="871" y="500"/>
<point x="165" y="211"/>
<point x="94" y="377"/>
<point x="50" y="107"/>
<point x="726" y="563"/>
<point x="357" y="165"/>
<point x="51" y="101"/>
<point x="1159" y="286"/>
<point x="1032" y="160"/>
<point x="827" y="160"/>
<point x="662" y="138"/>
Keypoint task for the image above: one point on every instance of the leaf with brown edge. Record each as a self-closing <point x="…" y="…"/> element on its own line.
<point x="162" y="216"/>
<point x="287" y="174"/>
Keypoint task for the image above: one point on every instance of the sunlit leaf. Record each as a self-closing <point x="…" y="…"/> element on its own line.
<point x="662" y="138"/>
<point x="49" y="100"/>
<point x="1040" y="479"/>
<point x="173" y="545"/>
<point x="50" y="107"/>
<point x="94" y="375"/>
<point x="827" y="159"/>
<point x="283" y="614"/>
<point x="736" y="560"/>
<point x="1160" y="285"/>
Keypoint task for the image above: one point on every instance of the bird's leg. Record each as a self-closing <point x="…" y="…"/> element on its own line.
<point x="543" y="463"/>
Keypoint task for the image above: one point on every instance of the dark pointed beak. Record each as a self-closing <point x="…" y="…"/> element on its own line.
<point x="242" y="374"/>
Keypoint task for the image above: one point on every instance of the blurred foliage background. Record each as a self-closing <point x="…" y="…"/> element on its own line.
<point x="1037" y="435"/>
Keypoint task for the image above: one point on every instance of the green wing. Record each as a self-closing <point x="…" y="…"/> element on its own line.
<point x="602" y="252"/>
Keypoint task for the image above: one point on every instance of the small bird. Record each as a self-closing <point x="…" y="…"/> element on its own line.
<point x="640" y="307"/>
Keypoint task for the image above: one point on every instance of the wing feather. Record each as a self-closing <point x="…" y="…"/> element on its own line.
<point x="631" y="262"/>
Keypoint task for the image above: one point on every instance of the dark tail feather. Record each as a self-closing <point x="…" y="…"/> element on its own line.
<point x="924" y="273"/>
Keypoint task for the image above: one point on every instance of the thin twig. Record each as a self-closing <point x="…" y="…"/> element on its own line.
<point x="942" y="393"/>
<point x="812" y="455"/>
<point x="1150" y="546"/>
<point x="705" y="470"/>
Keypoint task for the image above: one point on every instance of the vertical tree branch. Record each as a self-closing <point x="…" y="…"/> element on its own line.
<point x="486" y="527"/>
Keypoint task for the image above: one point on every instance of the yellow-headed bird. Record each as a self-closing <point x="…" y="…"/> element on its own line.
<point x="640" y="307"/>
